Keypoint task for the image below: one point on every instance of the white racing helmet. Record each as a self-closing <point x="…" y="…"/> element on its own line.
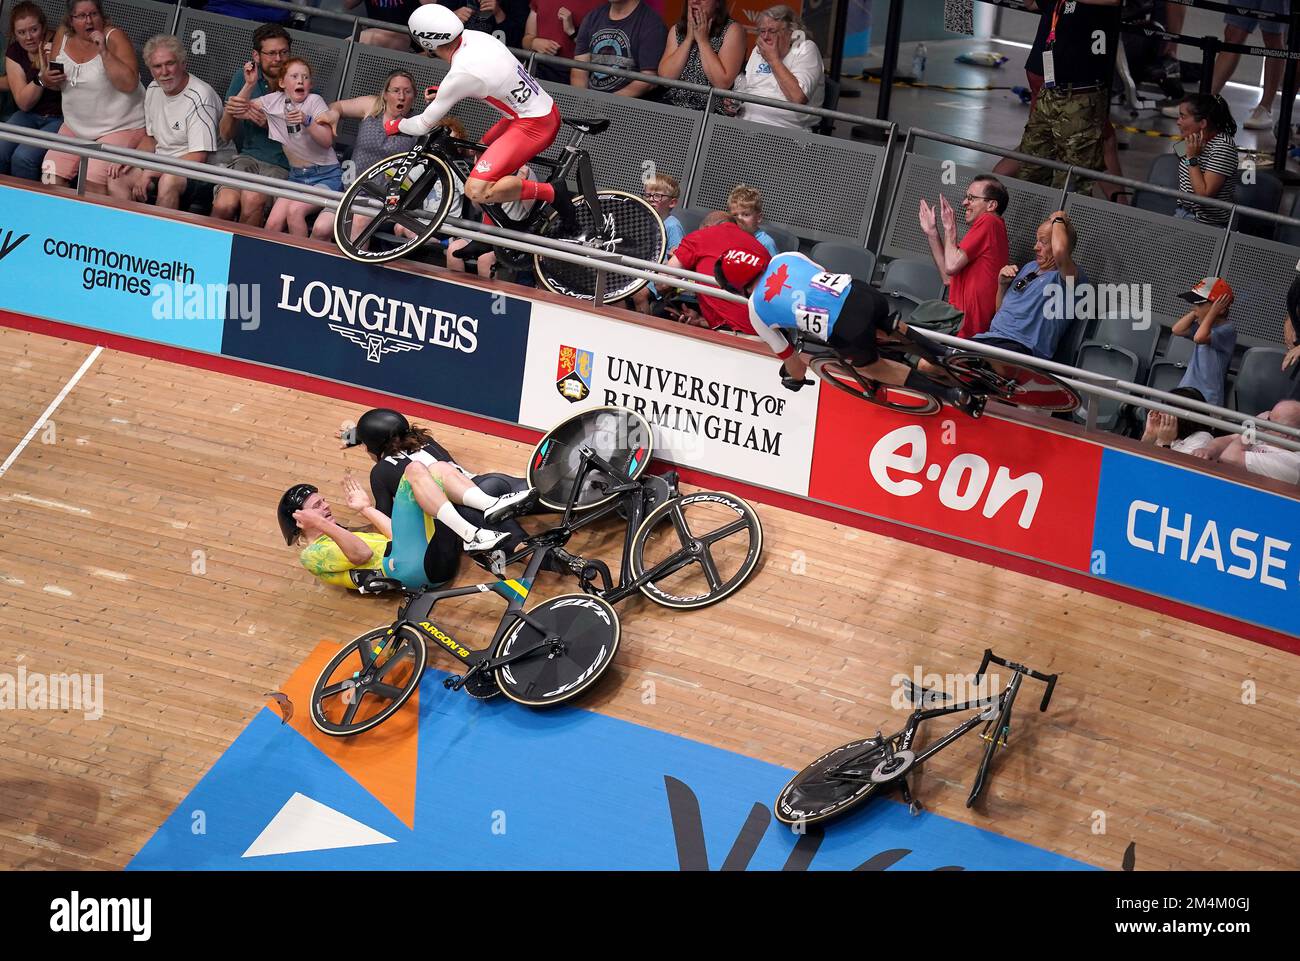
<point x="432" y="25"/>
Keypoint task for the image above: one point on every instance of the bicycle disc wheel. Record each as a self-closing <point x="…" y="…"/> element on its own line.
<point x="366" y="231"/>
<point x="631" y="228"/>
<point x="822" y="790"/>
<point x="368" y="681"/>
<point x="846" y="378"/>
<point x="589" y="634"/>
<point x="619" y="436"/>
<point x="707" y="545"/>
<point x="1011" y="383"/>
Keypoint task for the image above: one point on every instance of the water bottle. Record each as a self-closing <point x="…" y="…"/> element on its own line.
<point x="918" y="62"/>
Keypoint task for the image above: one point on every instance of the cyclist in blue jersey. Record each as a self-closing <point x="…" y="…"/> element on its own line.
<point x="793" y="292"/>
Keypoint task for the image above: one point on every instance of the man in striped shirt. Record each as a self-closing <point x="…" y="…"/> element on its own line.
<point x="182" y="116"/>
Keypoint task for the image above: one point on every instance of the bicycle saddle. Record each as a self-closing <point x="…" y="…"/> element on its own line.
<point x="588" y="126"/>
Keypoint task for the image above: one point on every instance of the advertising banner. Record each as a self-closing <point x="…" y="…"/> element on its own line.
<point x="435" y="341"/>
<point x="713" y="407"/>
<point x="120" y="272"/>
<point x="989" y="481"/>
<point x="1199" y="539"/>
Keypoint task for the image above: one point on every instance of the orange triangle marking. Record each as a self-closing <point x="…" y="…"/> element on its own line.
<point x="383" y="760"/>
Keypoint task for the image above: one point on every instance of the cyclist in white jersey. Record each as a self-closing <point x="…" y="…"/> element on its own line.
<point x="482" y="67"/>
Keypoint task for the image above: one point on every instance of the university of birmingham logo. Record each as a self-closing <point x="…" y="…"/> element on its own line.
<point x="573" y="375"/>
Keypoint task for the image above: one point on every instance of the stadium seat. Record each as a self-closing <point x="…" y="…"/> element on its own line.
<point x="908" y="281"/>
<point x="1261" y="382"/>
<point x="1178" y="350"/>
<point x="1120" y="332"/>
<point x="689" y="217"/>
<point x="1163" y="173"/>
<point x="1290" y="234"/>
<point x="841" y="258"/>
<point x="1264" y="194"/>
<point x="1117" y="362"/>
<point x="1165" y="375"/>
<point x="785" y="240"/>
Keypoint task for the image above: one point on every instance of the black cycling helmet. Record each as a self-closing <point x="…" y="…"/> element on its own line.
<point x="292" y="501"/>
<point x="376" y="428"/>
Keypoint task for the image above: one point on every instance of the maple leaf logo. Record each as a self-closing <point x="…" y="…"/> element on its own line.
<point x="774" y="284"/>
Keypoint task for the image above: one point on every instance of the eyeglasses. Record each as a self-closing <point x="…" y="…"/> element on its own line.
<point x="773" y="31"/>
<point x="273" y="54"/>
<point x="974" y="197"/>
<point x="84" y="16"/>
<point x="656" y="195"/>
<point x="1024" y="281"/>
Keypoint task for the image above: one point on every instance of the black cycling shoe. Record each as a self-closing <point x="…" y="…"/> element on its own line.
<point x="566" y="223"/>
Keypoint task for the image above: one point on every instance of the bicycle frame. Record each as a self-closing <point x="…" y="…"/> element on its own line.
<point x="629" y="494"/>
<point x="447" y="147"/>
<point x="998" y="724"/>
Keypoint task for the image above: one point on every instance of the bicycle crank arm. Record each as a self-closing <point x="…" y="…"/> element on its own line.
<point x="552" y="645"/>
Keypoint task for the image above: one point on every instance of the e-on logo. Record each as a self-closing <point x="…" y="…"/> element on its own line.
<point x="8" y="245"/>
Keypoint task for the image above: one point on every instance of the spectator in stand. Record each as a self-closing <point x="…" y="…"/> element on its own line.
<point x="970" y="268"/>
<point x="1034" y="311"/>
<point x="39" y="106"/>
<point x="1290" y="327"/>
<point x="1237" y="29"/>
<point x="745" y="204"/>
<point x="1209" y="325"/>
<point x="182" y="114"/>
<point x="1067" y="121"/>
<point x="626" y="34"/>
<point x="706" y="47"/>
<point x="785" y="65"/>
<point x="244" y="123"/>
<point x="661" y="192"/>
<point x="1008" y="167"/>
<point x="550" y="29"/>
<point x="504" y="19"/>
<point x="372" y="145"/>
<point x="700" y="251"/>
<point x="1260" y="458"/>
<point x="1208" y="164"/>
<point x="309" y="147"/>
<point x="102" y="96"/>
<point x="1180" y="435"/>
<point x="396" y="12"/>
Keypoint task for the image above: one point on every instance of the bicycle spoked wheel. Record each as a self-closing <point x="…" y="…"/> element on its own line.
<point x="846" y="378"/>
<point x="366" y="230"/>
<point x="1011" y="383"/>
<point x="704" y="545"/>
<point x="368" y="681"/>
<point x="833" y="784"/>
<point x="589" y="633"/>
<point x="631" y="228"/>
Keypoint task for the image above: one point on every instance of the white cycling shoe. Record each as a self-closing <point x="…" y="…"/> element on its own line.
<point x="508" y="505"/>
<point x="484" y="540"/>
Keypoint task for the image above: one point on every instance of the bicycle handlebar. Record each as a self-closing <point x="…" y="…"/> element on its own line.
<point x="1048" y="679"/>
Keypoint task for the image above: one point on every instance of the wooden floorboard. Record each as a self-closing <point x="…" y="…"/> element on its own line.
<point x="140" y="544"/>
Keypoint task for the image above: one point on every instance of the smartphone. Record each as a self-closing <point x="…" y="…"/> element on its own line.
<point x="1180" y="148"/>
<point x="56" y="68"/>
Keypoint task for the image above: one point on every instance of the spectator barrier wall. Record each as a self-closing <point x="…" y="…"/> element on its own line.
<point x="1092" y="506"/>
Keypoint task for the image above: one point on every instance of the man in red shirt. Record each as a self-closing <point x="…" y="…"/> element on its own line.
<point x="700" y="251"/>
<point x="971" y="268"/>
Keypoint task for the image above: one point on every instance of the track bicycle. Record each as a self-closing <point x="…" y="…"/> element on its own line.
<point x="414" y="191"/>
<point x="853" y="773"/>
<point x="681" y="551"/>
<point x="1004" y="381"/>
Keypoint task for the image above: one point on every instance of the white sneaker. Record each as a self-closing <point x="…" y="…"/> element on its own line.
<point x="507" y="505"/>
<point x="1261" y="118"/>
<point x="484" y="540"/>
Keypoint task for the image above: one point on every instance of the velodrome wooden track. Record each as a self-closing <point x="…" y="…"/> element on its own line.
<point x="153" y="462"/>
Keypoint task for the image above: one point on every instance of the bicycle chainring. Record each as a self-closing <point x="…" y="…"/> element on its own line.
<point x="891" y="769"/>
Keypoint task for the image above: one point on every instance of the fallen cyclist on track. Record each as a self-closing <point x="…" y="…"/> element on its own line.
<point x="420" y="544"/>
<point x="792" y="292"/>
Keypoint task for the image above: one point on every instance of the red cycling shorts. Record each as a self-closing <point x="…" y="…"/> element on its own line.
<point x="512" y="142"/>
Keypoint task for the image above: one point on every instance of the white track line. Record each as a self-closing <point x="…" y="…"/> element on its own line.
<point x="40" y="421"/>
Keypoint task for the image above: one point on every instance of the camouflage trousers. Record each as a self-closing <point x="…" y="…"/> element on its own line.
<point x="1067" y="128"/>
